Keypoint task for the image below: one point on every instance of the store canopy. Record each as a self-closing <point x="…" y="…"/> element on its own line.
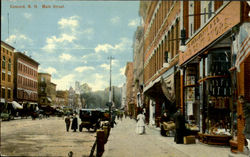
<point x="16" y="105"/>
<point x="167" y="86"/>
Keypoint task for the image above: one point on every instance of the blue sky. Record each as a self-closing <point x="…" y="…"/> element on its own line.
<point x="73" y="43"/>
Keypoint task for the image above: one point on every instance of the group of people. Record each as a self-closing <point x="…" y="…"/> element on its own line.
<point x="74" y="125"/>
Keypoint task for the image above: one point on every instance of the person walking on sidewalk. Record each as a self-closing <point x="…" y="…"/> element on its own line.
<point x="140" y="126"/>
<point x="74" y="125"/>
<point x="67" y="121"/>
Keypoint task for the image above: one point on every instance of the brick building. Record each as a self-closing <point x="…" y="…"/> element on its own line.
<point x="130" y="106"/>
<point x="214" y="67"/>
<point x="46" y="90"/>
<point x="7" y="74"/>
<point x="161" y="54"/>
<point x="138" y="66"/>
<point x="25" y="79"/>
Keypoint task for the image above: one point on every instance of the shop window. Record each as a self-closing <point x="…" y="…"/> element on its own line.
<point x="3" y="92"/>
<point x="3" y="62"/>
<point x="9" y="65"/>
<point x="3" y="76"/>
<point x="9" y="93"/>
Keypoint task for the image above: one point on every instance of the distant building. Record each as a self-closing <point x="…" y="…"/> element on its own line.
<point x="61" y="98"/>
<point x="7" y="73"/>
<point x="46" y="90"/>
<point x="123" y="96"/>
<point x="25" y="79"/>
<point x="71" y="97"/>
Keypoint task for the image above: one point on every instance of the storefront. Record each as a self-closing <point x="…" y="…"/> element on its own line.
<point x="208" y="84"/>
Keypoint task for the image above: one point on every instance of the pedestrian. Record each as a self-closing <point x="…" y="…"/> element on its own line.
<point x="67" y="121"/>
<point x="113" y="115"/>
<point x="180" y="128"/>
<point x="140" y="126"/>
<point x="74" y="125"/>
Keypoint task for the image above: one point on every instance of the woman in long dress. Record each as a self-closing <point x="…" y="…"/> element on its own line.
<point x="140" y="126"/>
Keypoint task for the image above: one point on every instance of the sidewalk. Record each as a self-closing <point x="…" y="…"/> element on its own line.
<point x="124" y="142"/>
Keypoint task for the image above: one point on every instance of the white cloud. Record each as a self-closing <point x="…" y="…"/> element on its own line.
<point x="125" y="43"/>
<point x="98" y="82"/>
<point x="54" y="42"/>
<point x="71" y="22"/>
<point x="104" y="47"/>
<point x="65" y="57"/>
<point x="21" y="39"/>
<point x="49" y="70"/>
<point x="27" y="15"/>
<point x="105" y="66"/>
<point x="122" y="70"/>
<point x="115" y="20"/>
<point x="84" y="68"/>
<point x="64" y="82"/>
<point x="134" y="22"/>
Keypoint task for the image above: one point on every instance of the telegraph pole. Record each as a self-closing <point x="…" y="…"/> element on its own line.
<point x="110" y="93"/>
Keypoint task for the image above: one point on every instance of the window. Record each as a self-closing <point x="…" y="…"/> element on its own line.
<point x="9" y="78"/>
<point x="42" y="89"/>
<point x="205" y="11"/>
<point x="3" y="76"/>
<point x="3" y="92"/>
<point x="9" y="65"/>
<point x="3" y="62"/>
<point x="42" y="79"/>
<point x="9" y="93"/>
<point x="209" y="9"/>
<point x="166" y="56"/>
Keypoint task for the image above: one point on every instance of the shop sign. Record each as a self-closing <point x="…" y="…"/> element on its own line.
<point x="222" y="22"/>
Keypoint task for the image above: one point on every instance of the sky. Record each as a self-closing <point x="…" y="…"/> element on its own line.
<point x="73" y="42"/>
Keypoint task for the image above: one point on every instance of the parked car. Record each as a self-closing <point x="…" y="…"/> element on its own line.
<point x="90" y="119"/>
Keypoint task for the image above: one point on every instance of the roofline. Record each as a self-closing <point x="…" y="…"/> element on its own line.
<point x="27" y="57"/>
<point x="4" y="43"/>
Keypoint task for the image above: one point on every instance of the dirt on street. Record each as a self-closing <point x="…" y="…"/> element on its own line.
<point x="46" y="137"/>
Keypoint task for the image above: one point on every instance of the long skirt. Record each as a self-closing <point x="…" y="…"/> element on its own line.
<point x="140" y="130"/>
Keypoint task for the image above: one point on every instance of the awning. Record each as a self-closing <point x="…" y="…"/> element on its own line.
<point x="16" y="105"/>
<point x="167" y="86"/>
<point x="49" y="99"/>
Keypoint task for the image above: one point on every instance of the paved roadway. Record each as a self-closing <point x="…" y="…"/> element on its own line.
<point x="46" y="137"/>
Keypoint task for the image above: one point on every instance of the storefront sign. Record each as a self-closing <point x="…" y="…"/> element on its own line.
<point x="222" y="22"/>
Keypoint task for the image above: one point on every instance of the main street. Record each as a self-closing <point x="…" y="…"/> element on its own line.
<point x="46" y="137"/>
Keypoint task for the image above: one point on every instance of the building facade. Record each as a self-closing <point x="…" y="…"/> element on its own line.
<point x="161" y="55"/>
<point x="7" y="74"/>
<point x="138" y="67"/>
<point x="61" y="98"/>
<point x="25" y="79"/>
<point x="46" y="90"/>
<point x="130" y="107"/>
<point x="214" y="65"/>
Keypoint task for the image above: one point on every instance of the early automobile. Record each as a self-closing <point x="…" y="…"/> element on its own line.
<point x="90" y="119"/>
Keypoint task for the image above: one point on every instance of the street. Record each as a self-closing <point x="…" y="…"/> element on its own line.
<point x="46" y="137"/>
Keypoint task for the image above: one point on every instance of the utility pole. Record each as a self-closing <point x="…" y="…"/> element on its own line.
<point x="110" y="94"/>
